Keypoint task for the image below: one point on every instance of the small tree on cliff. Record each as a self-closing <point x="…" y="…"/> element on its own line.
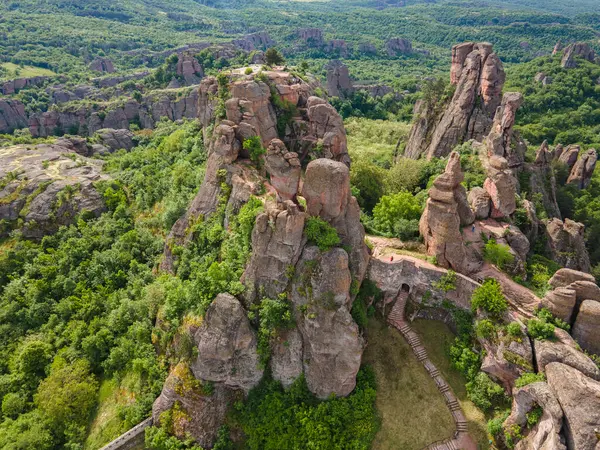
<point x="273" y="57"/>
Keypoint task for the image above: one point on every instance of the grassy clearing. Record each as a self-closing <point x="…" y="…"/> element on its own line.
<point x="413" y="413"/>
<point x="375" y="140"/>
<point x="14" y="71"/>
<point x="437" y="338"/>
<point x="106" y="424"/>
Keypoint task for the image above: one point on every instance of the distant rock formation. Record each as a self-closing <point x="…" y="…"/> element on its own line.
<point x="313" y="37"/>
<point x="12" y="115"/>
<point x="566" y="244"/>
<point x="254" y="41"/>
<point x="13" y="86"/>
<point x="479" y="77"/>
<point x="367" y="48"/>
<point x="337" y="46"/>
<point x="583" y="169"/>
<point x="579" y="49"/>
<point x="189" y="69"/>
<point x="398" y="46"/>
<point x="339" y="83"/>
<point x="104" y="65"/>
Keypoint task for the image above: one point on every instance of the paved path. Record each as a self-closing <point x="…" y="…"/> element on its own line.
<point x="461" y="439"/>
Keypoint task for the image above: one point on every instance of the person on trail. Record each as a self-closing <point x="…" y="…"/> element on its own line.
<point x="473" y="229"/>
<point x="391" y="258"/>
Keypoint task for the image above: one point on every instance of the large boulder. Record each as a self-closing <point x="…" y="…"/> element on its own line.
<point x="586" y="329"/>
<point x="569" y="155"/>
<point x="284" y="170"/>
<point x="549" y="351"/>
<point x="327" y="127"/>
<point x="189" y="69"/>
<point x="566" y="244"/>
<point x="198" y="412"/>
<point x="561" y="302"/>
<point x="579" y="398"/>
<point x="574" y="51"/>
<point x="227" y="346"/>
<point x="581" y="174"/>
<point x="12" y="115"/>
<point x="546" y="434"/>
<point x="501" y="186"/>
<point x="338" y="79"/>
<point x="480" y="200"/>
<point x="116" y="139"/>
<point x="332" y="344"/>
<point x="564" y="277"/>
<point x="104" y="65"/>
<point x="499" y="141"/>
<point x="398" y="46"/>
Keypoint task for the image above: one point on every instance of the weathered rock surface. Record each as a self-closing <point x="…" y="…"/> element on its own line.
<point x="480" y="200"/>
<point x="12" y="115"/>
<point x="469" y="114"/>
<point x="199" y="415"/>
<point x="500" y="140"/>
<point x="254" y="41"/>
<point x="284" y="170"/>
<point x="13" y="86"/>
<point x="333" y="346"/>
<point x="579" y="398"/>
<point x="116" y="139"/>
<point x="286" y="357"/>
<point x="581" y="174"/>
<point x="561" y="302"/>
<point x="313" y="37"/>
<point x="398" y="46"/>
<point x="586" y="329"/>
<point x="227" y="346"/>
<point x="338" y="79"/>
<point x="327" y="126"/>
<point x="542" y="180"/>
<point x="546" y="434"/>
<point x="501" y="186"/>
<point x="189" y="69"/>
<point x="564" y="277"/>
<point x="569" y="155"/>
<point x="50" y="187"/>
<point x="547" y="352"/>
<point x="566" y="243"/>
<point x="102" y="65"/>
<point x="579" y="49"/>
<point x="440" y="223"/>
<point x="337" y="47"/>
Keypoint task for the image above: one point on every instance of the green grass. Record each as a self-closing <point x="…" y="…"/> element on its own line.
<point x="437" y="338"/>
<point x="413" y="413"/>
<point x="374" y="140"/>
<point x="14" y="71"/>
<point x="105" y="424"/>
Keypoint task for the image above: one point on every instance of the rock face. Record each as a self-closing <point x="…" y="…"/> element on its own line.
<point x="333" y="346"/>
<point x="116" y="139"/>
<point x="51" y="188"/>
<point x="254" y="41"/>
<point x="568" y="156"/>
<point x="284" y="170"/>
<point x="398" y="46"/>
<point x="338" y="47"/>
<point x="479" y="77"/>
<point x="547" y="352"/>
<point x="480" y="200"/>
<point x="189" y="69"/>
<point x="338" y="79"/>
<point x="545" y="435"/>
<point x="199" y="415"/>
<point x="440" y="223"/>
<point x="579" y="49"/>
<point x="586" y="330"/>
<point x="579" y="398"/>
<point x="227" y="346"/>
<point x="561" y="302"/>
<point x="313" y="37"/>
<point x="84" y="120"/>
<point x="564" y="277"/>
<point x="501" y="186"/>
<point x="566" y="243"/>
<point x="12" y="115"/>
<point x="13" y="86"/>
<point x="102" y="65"/>
<point x="542" y="180"/>
<point x="498" y="142"/>
<point x="581" y="174"/>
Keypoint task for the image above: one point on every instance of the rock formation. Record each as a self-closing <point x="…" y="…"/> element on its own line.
<point x="501" y="186"/>
<point x="500" y="141"/>
<point x="367" y="48"/>
<point x="52" y="186"/>
<point x="480" y="202"/>
<point x="440" y="223"/>
<point x="566" y="244"/>
<point x="550" y="351"/>
<point x="115" y="139"/>
<point x="313" y="37"/>
<point x="398" y="46"/>
<point x="189" y="69"/>
<point x="338" y="47"/>
<point x="542" y="180"/>
<point x="102" y="65"/>
<point x="11" y="87"/>
<point x="574" y="51"/>
<point x="579" y="398"/>
<point x="479" y="76"/>
<point x="583" y="169"/>
<point x="568" y="156"/>
<point x="338" y="79"/>
<point x="12" y="115"/>
<point x="254" y="41"/>
<point x="586" y="330"/>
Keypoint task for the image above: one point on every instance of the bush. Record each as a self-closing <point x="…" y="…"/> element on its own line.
<point x="398" y="215"/>
<point x="447" y="282"/>
<point x="465" y="360"/>
<point x="248" y="71"/>
<point x="540" y="329"/>
<point x="513" y="329"/>
<point x="494" y="425"/>
<point x="547" y="316"/>
<point x="321" y="233"/>
<point x="255" y="148"/>
<point x="484" y="392"/>
<point x="273" y="57"/>
<point x="485" y="329"/>
<point x="489" y="297"/>
<point x="498" y="254"/>
<point x="528" y="378"/>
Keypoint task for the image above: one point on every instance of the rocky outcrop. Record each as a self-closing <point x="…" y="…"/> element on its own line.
<point x="579" y="398"/>
<point x="367" y="48"/>
<point x="115" y="139"/>
<point x="189" y="69"/>
<point x="286" y="357"/>
<point x="440" y="223"/>
<point x="566" y="244"/>
<point x="480" y="202"/>
<point x="254" y="41"/>
<point x="284" y="170"/>
<point x="583" y="169"/>
<point x="542" y="180"/>
<point x="333" y="346"/>
<point x="500" y="140"/>
<point x="227" y="346"/>
<point x="338" y="79"/>
<point x="197" y="413"/>
<point x="568" y="156"/>
<point x="469" y="115"/>
<point x="12" y="115"/>
<point x="542" y="78"/>
<point x="11" y="87"/>
<point x="574" y="51"/>
<point x="327" y="129"/>
<point x="501" y="186"/>
<point x="561" y="302"/>
<point x="564" y="277"/>
<point x="102" y="65"/>
<point x="85" y="120"/>
<point x="49" y="187"/>
<point x="313" y="37"/>
<point x="546" y="434"/>
<point x="337" y="47"/>
<point x="586" y="330"/>
<point x="549" y="351"/>
<point x="398" y="46"/>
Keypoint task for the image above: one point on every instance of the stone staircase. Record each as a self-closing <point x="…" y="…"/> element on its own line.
<point x="461" y="439"/>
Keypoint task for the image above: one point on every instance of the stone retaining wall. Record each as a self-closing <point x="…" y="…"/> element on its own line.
<point x="132" y="439"/>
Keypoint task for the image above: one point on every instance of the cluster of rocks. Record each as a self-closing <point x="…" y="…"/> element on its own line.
<point x="13" y="86"/>
<point x="478" y="76"/>
<point x="188" y="71"/>
<point x="46" y="186"/>
<point x="577" y="50"/>
<point x="339" y="84"/>
<point x="398" y="46"/>
<point x="254" y="41"/>
<point x="325" y="343"/>
<point x="103" y="65"/>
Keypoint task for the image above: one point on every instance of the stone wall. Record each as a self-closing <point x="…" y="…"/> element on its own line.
<point x="132" y="439"/>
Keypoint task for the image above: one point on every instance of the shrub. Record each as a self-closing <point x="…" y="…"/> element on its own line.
<point x="498" y="254"/>
<point x="398" y="215"/>
<point x="489" y="297"/>
<point x="255" y="148"/>
<point x="273" y="57"/>
<point x="546" y="315"/>
<point x="484" y="392"/>
<point x="248" y="71"/>
<point x="540" y="329"/>
<point x="485" y="329"/>
<point x="447" y="282"/>
<point x="465" y="360"/>
<point x="494" y="425"/>
<point x="528" y="378"/>
<point x="273" y="315"/>
<point x="321" y="233"/>
<point x="513" y="329"/>
<point x="534" y="416"/>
